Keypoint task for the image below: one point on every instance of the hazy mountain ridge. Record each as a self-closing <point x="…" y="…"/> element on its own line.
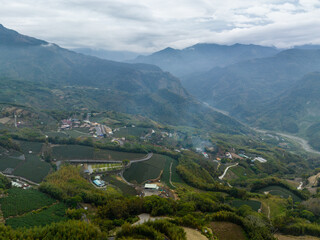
<point x="119" y="56"/>
<point x="295" y="111"/>
<point x="203" y="57"/>
<point x="58" y="78"/>
<point x="242" y="86"/>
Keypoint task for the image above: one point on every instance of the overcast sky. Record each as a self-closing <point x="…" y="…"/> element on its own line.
<point x="151" y="25"/>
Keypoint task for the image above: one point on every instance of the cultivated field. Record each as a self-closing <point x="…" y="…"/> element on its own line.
<point x="142" y="171"/>
<point x="115" y="155"/>
<point x="69" y="152"/>
<point x="35" y="147"/>
<point x="228" y="231"/>
<point x="33" y="168"/>
<point x="21" y="201"/>
<point x="54" y="213"/>
<point x="130" y="131"/>
<point x="125" y="188"/>
<point x="280" y="191"/>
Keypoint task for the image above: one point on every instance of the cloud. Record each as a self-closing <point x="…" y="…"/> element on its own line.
<point x="150" y="25"/>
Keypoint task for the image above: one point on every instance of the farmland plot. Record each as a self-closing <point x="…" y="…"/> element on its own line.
<point x="54" y="213"/>
<point x="33" y="168"/>
<point x="150" y="169"/>
<point x="21" y="201"/>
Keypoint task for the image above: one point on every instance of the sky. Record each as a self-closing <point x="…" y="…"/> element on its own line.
<point x="151" y="25"/>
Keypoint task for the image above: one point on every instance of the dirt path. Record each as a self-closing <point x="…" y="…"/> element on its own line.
<point x="226" y="170"/>
<point x="170" y="175"/>
<point x="313" y="180"/>
<point x="300" y="186"/>
<point x="193" y="234"/>
<point x="39" y="209"/>
<point x="145" y="217"/>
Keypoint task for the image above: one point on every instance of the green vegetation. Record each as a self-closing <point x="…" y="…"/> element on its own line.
<point x="151" y="169"/>
<point x="21" y="201"/>
<point x="34" y="147"/>
<point x="9" y="162"/>
<point x="70" y="230"/>
<point x="228" y="231"/>
<point x="131" y="131"/>
<point x="54" y="213"/>
<point x="69" y="152"/>
<point x="280" y="191"/>
<point x="125" y="188"/>
<point x="68" y="185"/>
<point x="255" y="205"/>
<point x="33" y="168"/>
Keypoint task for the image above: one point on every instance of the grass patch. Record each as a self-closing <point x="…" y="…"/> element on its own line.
<point x="55" y="213"/>
<point x="255" y="205"/>
<point x="276" y="205"/>
<point x="21" y="201"/>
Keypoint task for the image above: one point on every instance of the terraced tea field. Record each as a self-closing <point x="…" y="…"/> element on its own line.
<point x="21" y="201"/>
<point x="125" y="188"/>
<point x="280" y="191"/>
<point x="54" y="213"/>
<point x="71" y="152"/>
<point x="143" y="171"/>
<point x="130" y="131"/>
<point x="34" y="147"/>
<point x="33" y="168"/>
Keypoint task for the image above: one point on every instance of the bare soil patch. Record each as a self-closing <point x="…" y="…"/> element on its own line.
<point x="228" y="231"/>
<point x="193" y="234"/>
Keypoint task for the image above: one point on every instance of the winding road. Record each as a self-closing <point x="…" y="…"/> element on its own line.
<point x="147" y="157"/>
<point x="226" y="170"/>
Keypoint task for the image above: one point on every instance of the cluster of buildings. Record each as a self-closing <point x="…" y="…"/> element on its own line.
<point x="19" y="184"/>
<point x="96" y="129"/>
<point x="98" y="182"/>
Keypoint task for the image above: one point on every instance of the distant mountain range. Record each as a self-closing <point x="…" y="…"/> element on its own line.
<point x="240" y="87"/>
<point x="203" y="57"/>
<point x="295" y="111"/>
<point x="262" y="86"/>
<point x="40" y="74"/>
<point x="119" y="56"/>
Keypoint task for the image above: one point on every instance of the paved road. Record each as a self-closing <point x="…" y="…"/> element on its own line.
<point x="20" y="178"/>
<point x="147" y="157"/>
<point x="226" y="170"/>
